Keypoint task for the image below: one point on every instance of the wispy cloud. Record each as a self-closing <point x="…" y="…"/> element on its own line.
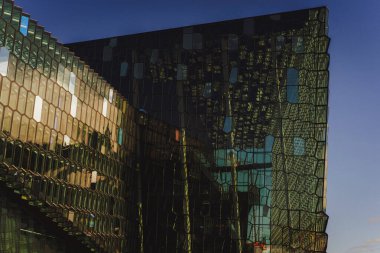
<point x="370" y="246"/>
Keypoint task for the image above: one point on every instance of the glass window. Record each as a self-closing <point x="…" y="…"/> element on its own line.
<point x="105" y="106"/>
<point x="297" y="44"/>
<point x="227" y="127"/>
<point x="4" y="57"/>
<point x="5" y="90"/>
<point x="124" y="69"/>
<point x="113" y="42"/>
<point x="138" y="70"/>
<point x="107" y="53"/>
<point x="73" y="109"/>
<point x="197" y="41"/>
<point x="234" y="75"/>
<point x="269" y="140"/>
<point x="110" y="96"/>
<point x="207" y="90"/>
<point x="22" y="100"/>
<point x="233" y="42"/>
<point x="24" y="25"/>
<point x="299" y="146"/>
<point x="120" y="136"/>
<point x="72" y="83"/>
<point x="292" y="85"/>
<point x="187" y="41"/>
<point x="13" y="96"/>
<point x="280" y="42"/>
<point x="154" y="56"/>
<point x="181" y="72"/>
<point x="66" y="140"/>
<point x="37" y="109"/>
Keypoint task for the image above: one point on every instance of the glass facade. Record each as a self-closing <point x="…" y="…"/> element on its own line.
<point x="249" y="100"/>
<point x="65" y="135"/>
<point x="212" y="138"/>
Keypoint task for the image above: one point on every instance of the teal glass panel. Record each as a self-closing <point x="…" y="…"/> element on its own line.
<point x="269" y="140"/>
<point x="24" y="25"/>
<point x="120" y="136"/>
<point x="259" y="215"/>
<point x="292" y="85"/>
<point x="299" y="146"/>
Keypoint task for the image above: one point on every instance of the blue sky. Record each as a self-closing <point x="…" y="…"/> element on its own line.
<point x="354" y="123"/>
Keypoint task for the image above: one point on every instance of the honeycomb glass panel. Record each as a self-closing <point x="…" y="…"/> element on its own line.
<point x="4" y="58"/>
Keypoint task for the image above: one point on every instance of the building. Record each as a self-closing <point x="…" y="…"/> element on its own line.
<point x="209" y="138"/>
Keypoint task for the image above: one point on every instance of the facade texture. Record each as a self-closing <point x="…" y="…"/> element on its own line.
<point x="212" y="138"/>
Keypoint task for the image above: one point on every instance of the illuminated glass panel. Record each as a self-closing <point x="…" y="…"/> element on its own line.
<point x="37" y="109"/>
<point x="66" y="140"/>
<point x="110" y="96"/>
<point x="72" y="83"/>
<point x="4" y="57"/>
<point x="105" y="107"/>
<point x="73" y="109"/>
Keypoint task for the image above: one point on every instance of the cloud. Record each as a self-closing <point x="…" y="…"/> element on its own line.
<point x="370" y="246"/>
<point x="374" y="220"/>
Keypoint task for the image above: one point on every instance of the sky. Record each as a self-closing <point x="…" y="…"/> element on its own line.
<point x="354" y="106"/>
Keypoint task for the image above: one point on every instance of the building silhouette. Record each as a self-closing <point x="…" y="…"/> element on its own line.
<point x="208" y="138"/>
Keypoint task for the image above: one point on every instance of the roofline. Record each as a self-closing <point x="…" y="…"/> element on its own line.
<point x="199" y="24"/>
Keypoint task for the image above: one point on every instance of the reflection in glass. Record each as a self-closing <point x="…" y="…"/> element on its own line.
<point x="227" y="127"/>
